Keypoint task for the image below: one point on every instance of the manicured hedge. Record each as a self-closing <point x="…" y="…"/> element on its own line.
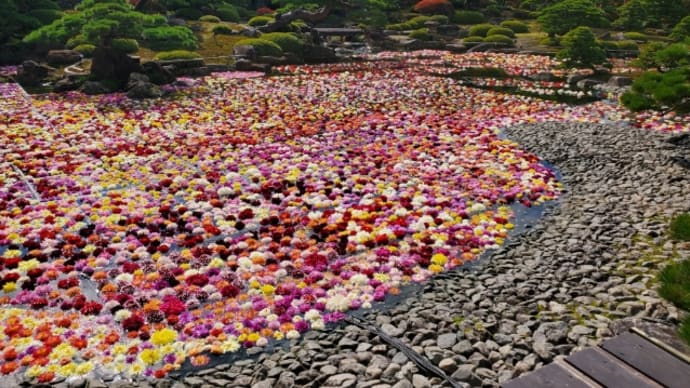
<point x="259" y="21"/>
<point x="85" y="49"/>
<point x="176" y="54"/>
<point x="481" y="29"/>
<point x="228" y="13"/>
<point x="515" y="25"/>
<point x="288" y="43"/>
<point x="128" y="46"/>
<point x="421" y="34"/>
<point x="167" y="38"/>
<point x="210" y="19"/>
<point x="498" y="39"/>
<point x="501" y="31"/>
<point x="263" y="47"/>
<point x="468" y="17"/>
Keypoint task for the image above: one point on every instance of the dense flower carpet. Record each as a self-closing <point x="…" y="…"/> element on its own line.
<point x="243" y="210"/>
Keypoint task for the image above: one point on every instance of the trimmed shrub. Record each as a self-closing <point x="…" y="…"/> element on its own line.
<point x="85" y="49"/>
<point x="77" y="40"/>
<point x="168" y="38"/>
<point x="440" y="19"/>
<point x="257" y="21"/>
<point x="176" y="54"/>
<point x="189" y="13"/>
<point x="501" y="31"/>
<point x="421" y="34"/>
<point x="515" y="25"/>
<point x="468" y="17"/>
<point x="473" y="39"/>
<point x="434" y="7"/>
<point x="627" y="45"/>
<point x="123" y="45"/>
<point x="675" y="283"/>
<point x="680" y="227"/>
<point x="222" y="30"/>
<point x="210" y="19"/>
<point x="636" y="36"/>
<point x="480" y="29"/>
<point x="609" y="44"/>
<point x="228" y="13"/>
<point x="288" y="43"/>
<point x="263" y="47"/>
<point x="415" y="23"/>
<point x="498" y="38"/>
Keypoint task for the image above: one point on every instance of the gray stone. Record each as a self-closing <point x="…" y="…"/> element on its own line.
<point x="448" y="365"/>
<point x="341" y="380"/>
<point x="268" y="383"/>
<point x="446" y="341"/>
<point x="286" y="380"/>
<point x="463" y="347"/>
<point x="403" y="384"/>
<point x="63" y="57"/>
<point x="420" y="381"/>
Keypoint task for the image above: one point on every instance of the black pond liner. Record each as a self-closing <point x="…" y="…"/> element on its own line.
<point x="524" y="219"/>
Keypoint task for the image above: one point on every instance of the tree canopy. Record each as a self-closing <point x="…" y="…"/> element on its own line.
<point x="568" y="14"/>
<point x="580" y="49"/>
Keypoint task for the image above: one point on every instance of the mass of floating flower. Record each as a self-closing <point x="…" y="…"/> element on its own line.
<point x="136" y="236"/>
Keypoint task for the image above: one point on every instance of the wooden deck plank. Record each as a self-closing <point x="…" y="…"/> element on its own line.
<point x="649" y="359"/>
<point x="552" y="375"/>
<point x="607" y="370"/>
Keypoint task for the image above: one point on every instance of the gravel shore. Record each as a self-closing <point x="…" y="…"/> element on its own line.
<point x="564" y="285"/>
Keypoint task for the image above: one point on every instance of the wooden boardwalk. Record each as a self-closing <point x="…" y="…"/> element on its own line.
<point x="628" y="360"/>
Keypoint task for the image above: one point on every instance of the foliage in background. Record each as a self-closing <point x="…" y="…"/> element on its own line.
<point x="581" y="49"/>
<point x="562" y="17"/>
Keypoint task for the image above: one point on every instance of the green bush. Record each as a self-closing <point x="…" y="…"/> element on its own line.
<point x="46" y="16"/>
<point x="480" y="29"/>
<point x="680" y="227"/>
<point x="473" y="39"/>
<point x="222" y="30"/>
<point x="415" y="23"/>
<point x="636" y="36"/>
<point x="468" y="17"/>
<point x="515" y="25"/>
<point x="609" y="44"/>
<point x="288" y="42"/>
<point x="176" y="54"/>
<point x="168" y="38"/>
<point x="421" y="34"/>
<point x="501" y="31"/>
<point x="674" y="282"/>
<point x="257" y="21"/>
<point x="210" y="19"/>
<point x="128" y="46"/>
<point x="440" y="19"/>
<point x="189" y="13"/>
<point x="85" y="49"/>
<point x="228" y="13"/>
<point x="77" y="40"/>
<point x="630" y="45"/>
<point x="498" y="39"/>
<point x="263" y="47"/>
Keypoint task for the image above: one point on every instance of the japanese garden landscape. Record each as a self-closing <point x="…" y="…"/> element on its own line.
<point x="233" y="230"/>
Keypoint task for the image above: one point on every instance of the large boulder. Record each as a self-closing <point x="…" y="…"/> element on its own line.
<point x="63" y="57"/>
<point x="448" y="30"/>
<point x="620" y="81"/>
<point x="247" y="65"/>
<point x="588" y="83"/>
<point x="244" y="51"/>
<point x="139" y="87"/>
<point x="32" y="73"/>
<point x="110" y="64"/>
<point x="94" y="87"/>
<point x="157" y="73"/>
<point x="67" y="84"/>
<point x="319" y="54"/>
